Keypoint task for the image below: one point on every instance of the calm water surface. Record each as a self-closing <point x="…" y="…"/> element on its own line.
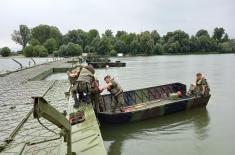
<point x="209" y="131"/>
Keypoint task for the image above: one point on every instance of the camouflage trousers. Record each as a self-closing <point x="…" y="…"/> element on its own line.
<point x="194" y="91"/>
<point x="117" y="101"/>
<point x="74" y="92"/>
<point x="84" y="91"/>
<point x="96" y="100"/>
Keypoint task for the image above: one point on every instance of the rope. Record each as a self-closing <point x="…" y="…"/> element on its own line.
<point x="46" y="127"/>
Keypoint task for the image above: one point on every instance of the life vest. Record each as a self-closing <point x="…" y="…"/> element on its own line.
<point x="86" y="75"/>
<point x="115" y="89"/>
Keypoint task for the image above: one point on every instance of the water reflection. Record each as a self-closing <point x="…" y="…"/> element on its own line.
<point x="184" y="133"/>
<point x="176" y="125"/>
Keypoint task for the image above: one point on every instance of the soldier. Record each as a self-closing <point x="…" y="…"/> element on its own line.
<point x="73" y="76"/>
<point x="85" y="79"/>
<point x="96" y="98"/>
<point x="116" y="91"/>
<point x="201" y="87"/>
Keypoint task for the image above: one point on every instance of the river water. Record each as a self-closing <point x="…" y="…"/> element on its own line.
<point x="209" y="131"/>
<point x="206" y="131"/>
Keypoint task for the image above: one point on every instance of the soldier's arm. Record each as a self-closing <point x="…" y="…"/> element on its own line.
<point x="107" y="86"/>
<point x="73" y="74"/>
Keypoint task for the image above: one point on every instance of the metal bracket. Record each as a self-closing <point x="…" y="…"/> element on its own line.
<point x="45" y="110"/>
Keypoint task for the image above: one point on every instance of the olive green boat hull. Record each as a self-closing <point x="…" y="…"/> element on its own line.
<point x="151" y="102"/>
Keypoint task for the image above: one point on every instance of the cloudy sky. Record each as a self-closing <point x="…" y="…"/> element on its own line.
<point x="129" y="15"/>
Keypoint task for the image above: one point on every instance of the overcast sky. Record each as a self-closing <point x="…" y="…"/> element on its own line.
<point x="129" y="15"/>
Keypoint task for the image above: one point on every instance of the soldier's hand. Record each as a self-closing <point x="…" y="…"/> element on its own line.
<point x="101" y="89"/>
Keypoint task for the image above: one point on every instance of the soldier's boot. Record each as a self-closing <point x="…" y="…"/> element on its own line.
<point x="85" y="97"/>
<point x="76" y="102"/>
<point x="81" y="96"/>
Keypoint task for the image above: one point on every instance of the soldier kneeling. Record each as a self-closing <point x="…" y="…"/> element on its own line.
<point x="201" y="88"/>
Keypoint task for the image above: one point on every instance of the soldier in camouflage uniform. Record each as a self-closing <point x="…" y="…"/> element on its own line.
<point x="201" y="87"/>
<point x="96" y="97"/>
<point x="117" y="93"/>
<point x="85" y="80"/>
<point x="72" y="77"/>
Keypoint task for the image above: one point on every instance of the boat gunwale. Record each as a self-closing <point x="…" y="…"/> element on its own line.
<point x="188" y="98"/>
<point x="148" y="88"/>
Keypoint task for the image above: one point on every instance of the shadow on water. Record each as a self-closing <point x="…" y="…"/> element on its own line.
<point x="196" y="120"/>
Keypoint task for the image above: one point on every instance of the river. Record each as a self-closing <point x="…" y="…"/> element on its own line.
<point x="207" y="131"/>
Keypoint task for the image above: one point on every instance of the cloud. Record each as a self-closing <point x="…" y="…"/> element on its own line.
<point x="129" y="15"/>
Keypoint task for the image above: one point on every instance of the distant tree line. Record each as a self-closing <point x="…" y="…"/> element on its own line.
<point x="44" y="40"/>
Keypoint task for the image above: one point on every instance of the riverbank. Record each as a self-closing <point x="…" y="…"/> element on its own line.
<point x="129" y="55"/>
<point x="170" y="54"/>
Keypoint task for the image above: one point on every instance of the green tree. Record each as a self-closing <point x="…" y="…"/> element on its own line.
<point x="135" y="47"/>
<point x="194" y="44"/>
<point x="56" y="34"/>
<point x="56" y="53"/>
<point x="226" y="47"/>
<point x="71" y="36"/>
<point x="104" y="46"/>
<point x="146" y="43"/>
<point x="50" y="45"/>
<point x="34" y="42"/>
<point x="120" y="34"/>
<point x="5" y="52"/>
<point x="28" y="51"/>
<point x="41" y="33"/>
<point x="120" y="46"/>
<point x="172" y="48"/>
<point x="36" y="50"/>
<point x="158" y="49"/>
<point x="225" y="38"/>
<point x="21" y="36"/>
<point x="176" y="42"/>
<point x="218" y="33"/>
<point x="205" y="44"/>
<point x="40" y="51"/>
<point x="63" y="50"/>
<point x="202" y="32"/>
<point x="185" y="45"/>
<point x="94" y="45"/>
<point x="232" y="44"/>
<point x="93" y="33"/>
<point x="77" y="37"/>
<point x="44" y="32"/>
<point x="88" y="49"/>
<point x="74" y="49"/>
<point x="108" y="33"/>
<point x="155" y="35"/>
<point x="113" y="53"/>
